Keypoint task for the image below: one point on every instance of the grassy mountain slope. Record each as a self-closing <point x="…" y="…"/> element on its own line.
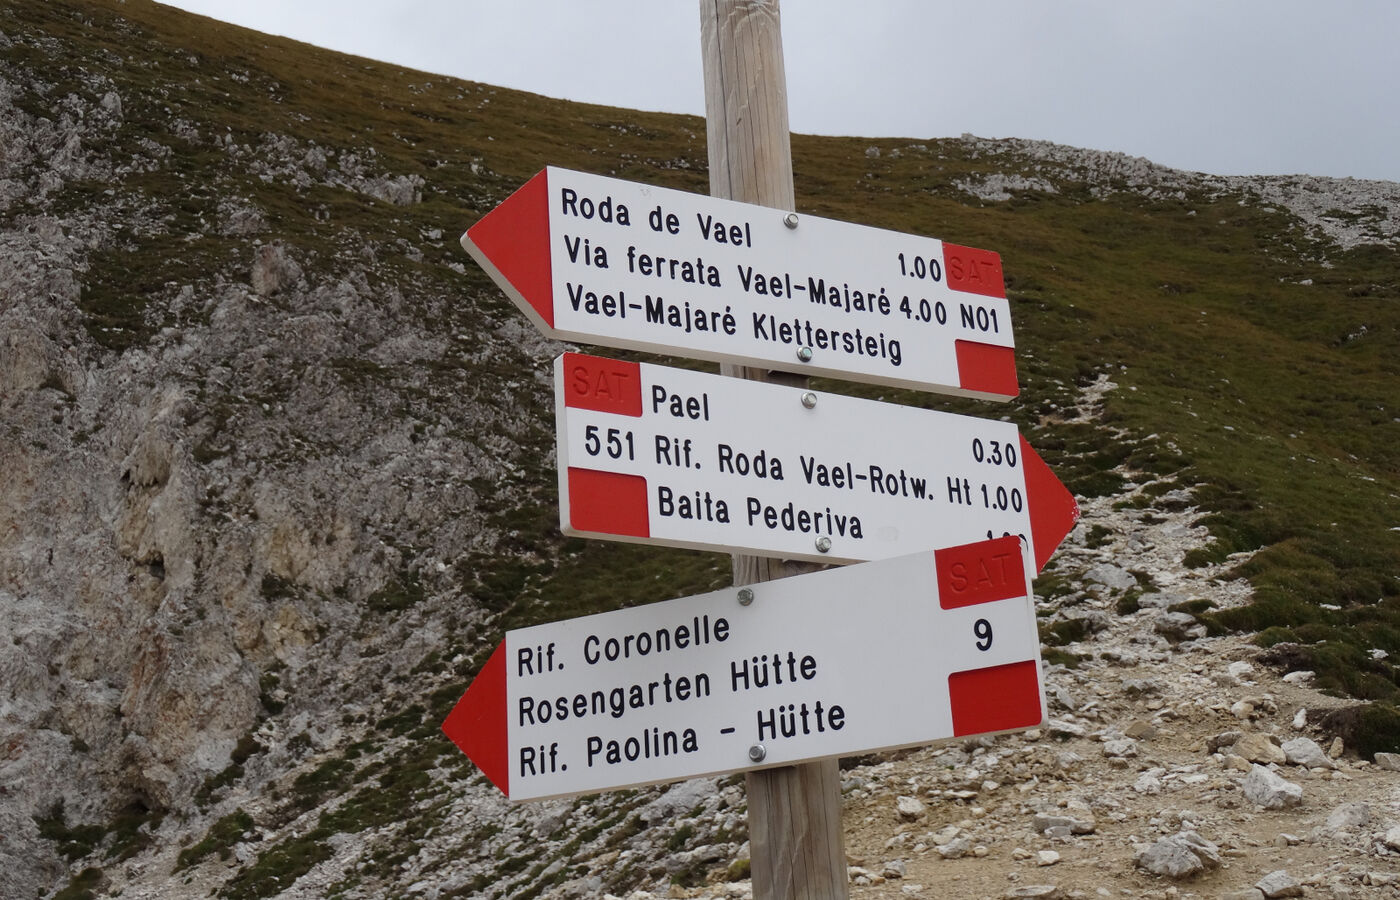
<point x="1255" y="360"/>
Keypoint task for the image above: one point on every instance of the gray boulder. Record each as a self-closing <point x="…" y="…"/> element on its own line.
<point x="1388" y="761"/>
<point x="1111" y="577"/>
<point x="1181" y="855"/>
<point x="1175" y="626"/>
<point x="1259" y="748"/>
<point x="1348" y="816"/>
<point x="1279" y="884"/>
<point x="1301" y="751"/>
<point x="1266" y="789"/>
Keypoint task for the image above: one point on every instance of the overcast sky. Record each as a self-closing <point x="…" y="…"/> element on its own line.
<point x="1231" y="87"/>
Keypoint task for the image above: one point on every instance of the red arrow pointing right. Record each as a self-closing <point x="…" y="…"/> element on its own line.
<point x="1053" y="509"/>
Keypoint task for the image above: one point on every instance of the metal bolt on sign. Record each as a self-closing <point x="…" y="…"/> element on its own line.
<point x="745" y="596"/>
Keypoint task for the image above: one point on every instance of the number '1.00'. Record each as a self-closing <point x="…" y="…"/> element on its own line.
<point x="1003" y="498"/>
<point x="918" y="267"/>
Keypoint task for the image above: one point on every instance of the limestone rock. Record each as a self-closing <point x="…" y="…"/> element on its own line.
<point x="1222" y="740"/>
<point x="1149" y="782"/>
<point x="677" y="800"/>
<point x="909" y="808"/>
<point x="1122" y="748"/>
<point x="1095" y="621"/>
<point x="1064" y="728"/>
<point x="1175" y="626"/>
<point x="273" y="270"/>
<point x="241" y="220"/>
<point x="1178" y="856"/>
<point x="957" y="848"/>
<point x="1035" y="892"/>
<point x="1240" y="670"/>
<point x="1266" y="789"/>
<point x="1139" y="730"/>
<point x="1259" y="748"/>
<point x="1112" y="577"/>
<point x="1078" y="819"/>
<point x="1159" y="600"/>
<point x="401" y="190"/>
<point x="1348" y="816"/>
<point x="1388" y="761"/>
<point x="112" y="103"/>
<point x="1301" y="751"/>
<point x="1279" y="884"/>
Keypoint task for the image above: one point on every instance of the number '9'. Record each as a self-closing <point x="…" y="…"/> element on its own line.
<point x="983" y="630"/>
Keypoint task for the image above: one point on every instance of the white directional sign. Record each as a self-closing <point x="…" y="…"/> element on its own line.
<point x="668" y="456"/>
<point x="946" y="647"/>
<point x="604" y="261"/>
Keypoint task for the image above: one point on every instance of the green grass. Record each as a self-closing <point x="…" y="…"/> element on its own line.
<point x="73" y="842"/>
<point x="83" y="886"/>
<point x="119" y="839"/>
<point x="221" y="837"/>
<point x="398" y="595"/>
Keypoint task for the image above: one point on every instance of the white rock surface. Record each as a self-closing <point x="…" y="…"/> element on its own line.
<point x="1268" y="790"/>
<point x="1181" y="855"/>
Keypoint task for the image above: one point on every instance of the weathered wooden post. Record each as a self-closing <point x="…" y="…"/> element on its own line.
<point x="797" y="848"/>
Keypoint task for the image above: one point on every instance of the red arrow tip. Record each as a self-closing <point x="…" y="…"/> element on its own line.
<point x="1053" y="508"/>
<point x="477" y="724"/>
<point x="511" y="243"/>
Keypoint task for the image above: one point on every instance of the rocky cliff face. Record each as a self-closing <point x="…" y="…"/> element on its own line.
<point x="276" y="471"/>
<point x="220" y="489"/>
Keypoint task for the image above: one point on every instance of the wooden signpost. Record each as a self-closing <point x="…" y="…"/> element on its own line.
<point x="797" y="848"/>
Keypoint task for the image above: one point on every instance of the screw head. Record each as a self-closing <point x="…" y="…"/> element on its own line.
<point x="757" y="753"/>
<point x="790" y="220"/>
<point x="809" y="399"/>
<point x="823" y="544"/>
<point x="745" y="596"/>
<point x="804" y="354"/>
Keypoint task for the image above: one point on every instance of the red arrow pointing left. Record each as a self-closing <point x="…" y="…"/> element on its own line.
<point x="513" y="240"/>
<point x="477" y="724"/>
